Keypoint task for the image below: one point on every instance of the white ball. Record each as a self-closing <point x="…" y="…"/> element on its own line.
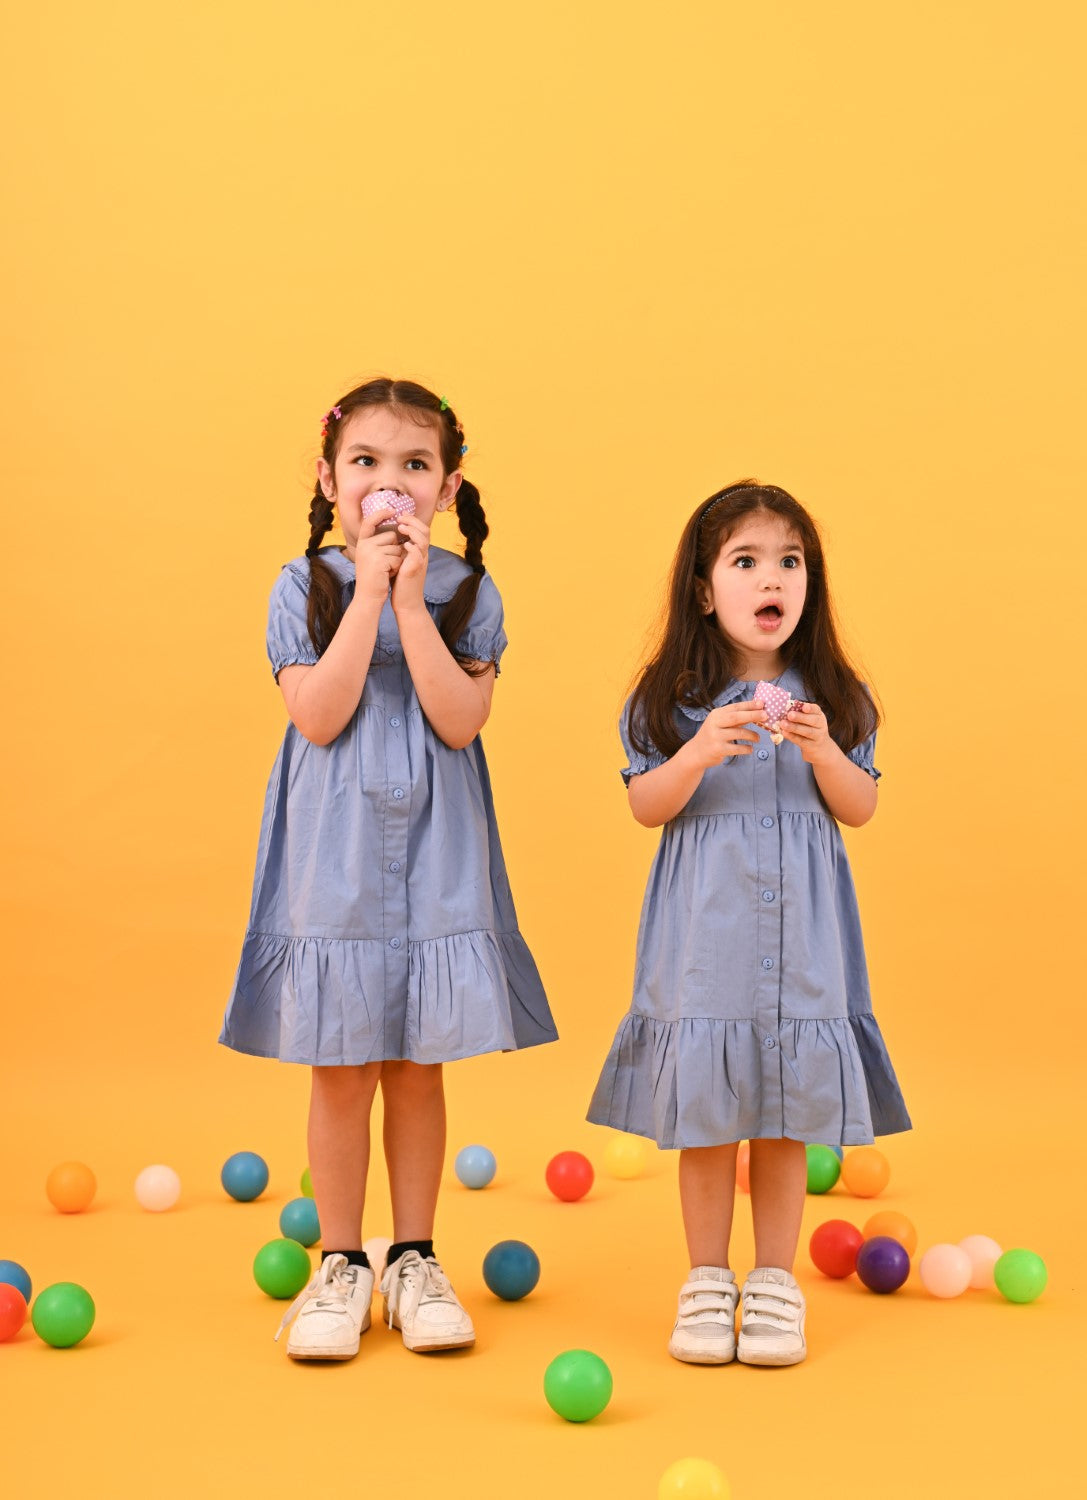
<point x="984" y="1254"/>
<point x="376" y="1251"/>
<point x="157" y="1189"/>
<point x="945" y="1270"/>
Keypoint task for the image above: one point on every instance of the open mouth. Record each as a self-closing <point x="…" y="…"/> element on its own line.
<point x="769" y="617"/>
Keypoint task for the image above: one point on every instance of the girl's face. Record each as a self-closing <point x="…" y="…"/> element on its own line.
<point x="756" y="590"/>
<point x="382" y="450"/>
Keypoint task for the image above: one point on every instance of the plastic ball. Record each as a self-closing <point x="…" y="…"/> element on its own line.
<point x="743" y="1167"/>
<point x="12" y="1311"/>
<point x="63" y="1314"/>
<point x="157" y="1189"/>
<point x="511" y="1269"/>
<point x="15" y="1275"/>
<point x="298" y="1221"/>
<point x="569" y="1175"/>
<point x="305" y="1184"/>
<point x="882" y="1264"/>
<point x="281" y="1268"/>
<point x="824" y="1169"/>
<point x="865" y="1172"/>
<point x="1020" y="1275"/>
<point x="475" y="1166"/>
<point x="377" y="1251"/>
<point x="693" y="1479"/>
<point x="895" y="1226"/>
<point x="945" y="1270"/>
<point x="244" y="1175"/>
<point x="577" y="1385"/>
<point x="984" y="1254"/>
<point x="70" y="1187"/>
<point x="834" y="1248"/>
<point x="625" y="1157"/>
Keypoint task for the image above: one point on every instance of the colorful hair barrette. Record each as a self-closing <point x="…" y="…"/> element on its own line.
<point x="445" y="404"/>
<point x="463" y="449"/>
<point x="332" y="412"/>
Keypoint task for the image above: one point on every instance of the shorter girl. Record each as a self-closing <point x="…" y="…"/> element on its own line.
<point x="382" y="939"/>
<point x="751" y="1017"/>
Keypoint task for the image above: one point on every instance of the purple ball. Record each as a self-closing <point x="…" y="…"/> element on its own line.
<point x="883" y="1264"/>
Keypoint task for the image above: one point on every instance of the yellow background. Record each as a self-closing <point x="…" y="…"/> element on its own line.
<point x="645" y="250"/>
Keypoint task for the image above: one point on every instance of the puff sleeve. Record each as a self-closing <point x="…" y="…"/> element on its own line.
<point x="863" y="755"/>
<point x="289" y="641"/>
<point x="485" y="636"/>
<point x="637" y="763"/>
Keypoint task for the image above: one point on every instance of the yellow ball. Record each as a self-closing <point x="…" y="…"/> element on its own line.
<point x="625" y="1156"/>
<point x="693" y="1479"/>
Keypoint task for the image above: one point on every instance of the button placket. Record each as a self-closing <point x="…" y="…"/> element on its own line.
<point x="388" y="720"/>
<point x="767" y="1015"/>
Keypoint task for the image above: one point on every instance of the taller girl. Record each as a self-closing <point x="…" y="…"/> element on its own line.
<point x="751" y="1017"/>
<point x="382" y="939"/>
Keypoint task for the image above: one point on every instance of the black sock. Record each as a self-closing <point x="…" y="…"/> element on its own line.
<point x="354" y="1257"/>
<point x="424" y="1247"/>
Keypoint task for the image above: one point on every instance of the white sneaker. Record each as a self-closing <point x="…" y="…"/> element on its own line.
<point x="421" y="1303"/>
<point x="771" y="1319"/>
<point x="705" y="1331"/>
<point x="335" y="1311"/>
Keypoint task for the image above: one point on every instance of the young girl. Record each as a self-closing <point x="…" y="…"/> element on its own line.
<point x="382" y="938"/>
<point x="751" y="1016"/>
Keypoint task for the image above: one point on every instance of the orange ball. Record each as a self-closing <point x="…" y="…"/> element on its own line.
<point x="895" y="1226"/>
<point x="865" y="1172"/>
<point x="70" y="1187"/>
<point x="743" y="1167"/>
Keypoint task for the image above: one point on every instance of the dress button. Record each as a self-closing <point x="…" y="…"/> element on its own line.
<point x="395" y="867"/>
<point x="769" y="1043"/>
<point x="763" y="754"/>
<point x="768" y="822"/>
<point x="394" y="942"/>
<point x="398" y="793"/>
<point x="395" y="722"/>
<point x="767" y="895"/>
<point x="390" y="650"/>
<point x="768" y="963"/>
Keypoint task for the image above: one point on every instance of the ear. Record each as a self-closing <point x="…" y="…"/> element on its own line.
<point x="449" y="489"/>
<point x="704" y="594"/>
<point x="325" y="479"/>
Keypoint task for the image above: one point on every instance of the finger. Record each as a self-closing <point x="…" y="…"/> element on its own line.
<point x="368" y="524"/>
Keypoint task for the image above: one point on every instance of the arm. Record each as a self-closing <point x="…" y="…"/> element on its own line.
<point x="657" y="796"/>
<point x="456" y="704"/>
<point x="849" y="792"/>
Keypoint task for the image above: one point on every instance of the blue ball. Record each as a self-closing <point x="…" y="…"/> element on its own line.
<point x="511" y="1269"/>
<point x="298" y="1221"/>
<point x="14" y="1274"/>
<point x="838" y="1152"/>
<point x="475" y="1166"/>
<point x="244" y="1175"/>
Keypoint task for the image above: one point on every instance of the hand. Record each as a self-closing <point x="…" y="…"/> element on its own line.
<point x="805" y="726"/>
<point x="408" y="587"/>
<point x="379" y="555"/>
<point x="723" y="733"/>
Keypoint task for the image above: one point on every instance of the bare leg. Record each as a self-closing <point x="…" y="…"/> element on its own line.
<point x="339" y="1149"/>
<point x="707" y="1193"/>
<point x="779" y="1181"/>
<point x="414" y="1097"/>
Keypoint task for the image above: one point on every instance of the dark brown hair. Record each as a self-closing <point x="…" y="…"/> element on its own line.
<point x="325" y="605"/>
<point x="694" y="659"/>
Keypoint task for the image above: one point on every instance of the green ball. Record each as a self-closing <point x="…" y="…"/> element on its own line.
<point x="281" y="1268"/>
<point x="306" y="1184"/>
<point x="63" y="1314"/>
<point x="1020" y="1275"/>
<point x="824" y="1169"/>
<point x="577" y="1385"/>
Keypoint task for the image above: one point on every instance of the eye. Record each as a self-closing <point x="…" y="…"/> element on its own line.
<point x="790" y="562"/>
<point x="745" y="561"/>
<point x="364" y="460"/>
<point x="417" y="464"/>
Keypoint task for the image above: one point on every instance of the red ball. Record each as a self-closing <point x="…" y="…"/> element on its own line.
<point x="12" y="1311"/>
<point x="569" y="1175"/>
<point x="834" y="1247"/>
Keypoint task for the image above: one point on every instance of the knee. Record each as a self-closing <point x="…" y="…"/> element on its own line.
<point x="411" y="1080"/>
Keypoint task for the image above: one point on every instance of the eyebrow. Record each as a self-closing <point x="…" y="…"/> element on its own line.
<point x="783" y="551"/>
<point x="408" y="453"/>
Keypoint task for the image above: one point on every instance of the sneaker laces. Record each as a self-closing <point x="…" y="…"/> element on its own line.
<point x="322" y="1286"/>
<point x="415" y="1280"/>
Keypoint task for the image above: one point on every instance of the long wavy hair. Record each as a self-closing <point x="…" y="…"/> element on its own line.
<point x="325" y="606"/>
<point x="694" y="659"/>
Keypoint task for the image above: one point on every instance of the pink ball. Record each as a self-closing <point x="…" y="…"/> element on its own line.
<point x="945" y="1271"/>
<point x="984" y="1254"/>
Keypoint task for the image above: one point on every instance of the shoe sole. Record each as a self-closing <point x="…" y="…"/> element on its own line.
<point x="706" y="1358"/>
<point x="301" y="1351"/>
<point x="435" y="1346"/>
<point x="770" y="1359"/>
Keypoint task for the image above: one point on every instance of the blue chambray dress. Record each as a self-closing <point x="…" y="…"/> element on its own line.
<point x="751" y="1014"/>
<point x="382" y="923"/>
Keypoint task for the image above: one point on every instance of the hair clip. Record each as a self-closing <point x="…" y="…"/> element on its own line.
<point x="332" y="412"/>
<point x="463" y="449"/>
<point x="445" y="404"/>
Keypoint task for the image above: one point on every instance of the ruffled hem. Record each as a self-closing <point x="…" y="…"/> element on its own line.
<point x="708" y="1082"/>
<point x="330" y="1001"/>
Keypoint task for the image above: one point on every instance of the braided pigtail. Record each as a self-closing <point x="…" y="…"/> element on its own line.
<point x="324" y="607"/>
<point x="474" y="529"/>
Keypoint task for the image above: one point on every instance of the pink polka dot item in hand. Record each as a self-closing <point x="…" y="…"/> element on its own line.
<point x="402" y="505"/>
<point x="777" y="703"/>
